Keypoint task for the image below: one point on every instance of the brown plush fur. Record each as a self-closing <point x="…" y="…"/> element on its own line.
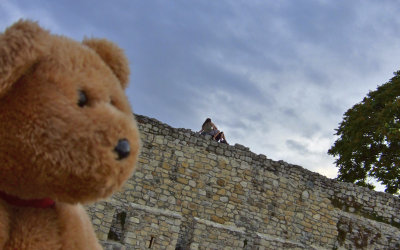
<point x="52" y="147"/>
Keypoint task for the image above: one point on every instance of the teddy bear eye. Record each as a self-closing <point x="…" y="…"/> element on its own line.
<point x="83" y="100"/>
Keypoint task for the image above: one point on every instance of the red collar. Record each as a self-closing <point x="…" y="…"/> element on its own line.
<point x="36" y="203"/>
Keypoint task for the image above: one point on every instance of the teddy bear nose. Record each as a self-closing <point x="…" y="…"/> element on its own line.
<point x="123" y="149"/>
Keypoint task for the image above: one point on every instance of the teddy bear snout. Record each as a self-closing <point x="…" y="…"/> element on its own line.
<point x="123" y="149"/>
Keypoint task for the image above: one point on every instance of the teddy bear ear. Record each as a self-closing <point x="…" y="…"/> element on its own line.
<point x="113" y="56"/>
<point x="20" y="47"/>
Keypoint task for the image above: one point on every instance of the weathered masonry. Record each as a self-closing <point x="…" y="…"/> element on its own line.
<point x="190" y="192"/>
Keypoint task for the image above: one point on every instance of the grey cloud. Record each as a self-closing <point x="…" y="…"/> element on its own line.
<point x="300" y="148"/>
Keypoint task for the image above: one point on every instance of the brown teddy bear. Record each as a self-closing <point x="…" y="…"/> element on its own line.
<point x="67" y="135"/>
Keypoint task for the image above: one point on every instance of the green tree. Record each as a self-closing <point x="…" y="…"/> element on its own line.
<point x="368" y="143"/>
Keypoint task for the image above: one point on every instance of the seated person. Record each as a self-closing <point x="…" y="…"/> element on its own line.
<point x="209" y="128"/>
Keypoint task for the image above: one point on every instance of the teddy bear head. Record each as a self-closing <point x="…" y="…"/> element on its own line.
<point x="67" y="131"/>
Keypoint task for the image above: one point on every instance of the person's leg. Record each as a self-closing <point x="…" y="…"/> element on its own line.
<point x="223" y="140"/>
<point x="218" y="136"/>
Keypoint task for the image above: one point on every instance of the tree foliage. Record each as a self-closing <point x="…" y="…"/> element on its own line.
<point x="369" y="139"/>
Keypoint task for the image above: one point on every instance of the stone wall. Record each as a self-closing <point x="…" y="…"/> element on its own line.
<point x="190" y="192"/>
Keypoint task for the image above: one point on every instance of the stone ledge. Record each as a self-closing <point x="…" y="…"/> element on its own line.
<point x="280" y="240"/>
<point x="217" y="225"/>
<point x="244" y="232"/>
<point x="154" y="210"/>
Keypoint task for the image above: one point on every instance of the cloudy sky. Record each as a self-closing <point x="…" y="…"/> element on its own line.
<point x="275" y="76"/>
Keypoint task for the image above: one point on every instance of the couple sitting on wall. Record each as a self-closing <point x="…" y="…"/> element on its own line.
<point x="209" y="128"/>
